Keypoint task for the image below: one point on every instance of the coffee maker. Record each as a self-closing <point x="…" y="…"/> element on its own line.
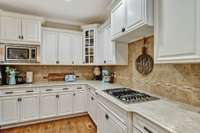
<point x="3" y="75"/>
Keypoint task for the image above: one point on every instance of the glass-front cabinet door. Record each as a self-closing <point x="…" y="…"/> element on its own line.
<point x="89" y="46"/>
<point x="89" y="52"/>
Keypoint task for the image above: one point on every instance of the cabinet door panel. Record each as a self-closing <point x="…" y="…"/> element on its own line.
<point x="118" y="18"/>
<point x="48" y="105"/>
<point x="31" y="30"/>
<point x="11" y="28"/>
<point x="77" y="48"/>
<point x="49" y="47"/>
<point x="65" y="103"/>
<point x="65" y="48"/>
<point x="134" y="12"/>
<point x="30" y="107"/>
<point x="109" y="47"/>
<point x="10" y="110"/>
<point x="177" y="31"/>
<point x="92" y="105"/>
<point x="79" y="102"/>
<point x="108" y="123"/>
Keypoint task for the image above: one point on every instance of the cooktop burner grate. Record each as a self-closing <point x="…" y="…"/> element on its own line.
<point x="129" y="96"/>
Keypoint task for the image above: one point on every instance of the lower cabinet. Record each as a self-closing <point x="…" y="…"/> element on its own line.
<point x="65" y="103"/>
<point x="79" y="102"/>
<point x="10" y="109"/>
<point x="48" y="105"/>
<point x="92" y="107"/>
<point x="19" y="108"/>
<point x="108" y="123"/>
<point x="30" y="107"/>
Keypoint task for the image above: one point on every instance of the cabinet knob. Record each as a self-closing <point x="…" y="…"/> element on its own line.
<point x="104" y="62"/>
<point x="57" y="62"/>
<point x="57" y="96"/>
<point x="19" y="37"/>
<point x="74" y="94"/>
<point x="123" y="29"/>
<point x="72" y="62"/>
<point x="92" y="98"/>
<point x="106" y="116"/>
<point x="22" y="37"/>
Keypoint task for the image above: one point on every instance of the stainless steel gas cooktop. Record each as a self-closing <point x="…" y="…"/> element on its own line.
<point x="129" y="96"/>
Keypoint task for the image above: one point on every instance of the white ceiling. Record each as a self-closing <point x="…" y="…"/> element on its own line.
<point x="76" y="12"/>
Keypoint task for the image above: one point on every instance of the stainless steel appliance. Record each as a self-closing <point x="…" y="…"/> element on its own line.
<point x="19" y="53"/>
<point x="71" y="77"/>
<point x="129" y="96"/>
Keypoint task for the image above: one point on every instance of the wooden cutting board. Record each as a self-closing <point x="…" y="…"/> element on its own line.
<point x="56" y="76"/>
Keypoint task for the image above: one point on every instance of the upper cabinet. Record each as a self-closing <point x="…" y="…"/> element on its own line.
<point x="90" y="44"/>
<point x="61" y="47"/>
<point x="131" y="19"/>
<point x="20" y="29"/>
<point x="177" y="31"/>
<point x="111" y="52"/>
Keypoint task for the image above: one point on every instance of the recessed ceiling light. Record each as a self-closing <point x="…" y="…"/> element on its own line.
<point x="67" y="0"/>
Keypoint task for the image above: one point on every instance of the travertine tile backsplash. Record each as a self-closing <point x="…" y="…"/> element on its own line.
<point x="41" y="72"/>
<point x="177" y="82"/>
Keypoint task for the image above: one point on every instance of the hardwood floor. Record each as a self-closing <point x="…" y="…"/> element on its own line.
<point x="81" y="124"/>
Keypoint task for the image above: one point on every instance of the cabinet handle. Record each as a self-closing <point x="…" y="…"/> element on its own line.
<point x="79" y="88"/>
<point x="123" y="29"/>
<point x="19" y="99"/>
<point x="30" y="91"/>
<point x="19" y="37"/>
<point x="65" y="89"/>
<point x="74" y="94"/>
<point x="49" y="90"/>
<point x="106" y="116"/>
<point x="9" y="92"/>
<point x="104" y="62"/>
<point x="57" y="96"/>
<point x="146" y="129"/>
<point x="57" y="62"/>
<point x="72" y="62"/>
<point x="22" y="37"/>
<point x="92" y="98"/>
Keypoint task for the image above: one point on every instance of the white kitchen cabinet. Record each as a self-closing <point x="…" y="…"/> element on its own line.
<point x="114" y="53"/>
<point x="31" y="30"/>
<point x="77" y="49"/>
<point x="48" y="105"/>
<point x="10" y="28"/>
<point x="20" y="29"/>
<point x="79" y="102"/>
<point x="61" y="47"/>
<point x="10" y="109"/>
<point x="92" y="107"/>
<point x="64" y="48"/>
<point x="29" y="107"/>
<point x="108" y="123"/>
<point x="65" y="101"/>
<point x="177" y="31"/>
<point x="132" y="20"/>
<point x="90" y="44"/>
<point x="118" y="18"/>
<point x="49" y="46"/>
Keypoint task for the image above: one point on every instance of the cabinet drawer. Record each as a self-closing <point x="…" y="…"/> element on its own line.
<point x="56" y="89"/>
<point x="146" y="126"/>
<point x="24" y="91"/>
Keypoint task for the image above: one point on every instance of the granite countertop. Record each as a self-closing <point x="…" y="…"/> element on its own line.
<point x="172" y="116"/>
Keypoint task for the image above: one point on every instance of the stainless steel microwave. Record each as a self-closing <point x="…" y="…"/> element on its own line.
<point x="10" y="53"/>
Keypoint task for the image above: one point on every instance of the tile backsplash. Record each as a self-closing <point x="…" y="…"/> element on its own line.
<point x="180" y="82"/>
<point x="41" y="72"/>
